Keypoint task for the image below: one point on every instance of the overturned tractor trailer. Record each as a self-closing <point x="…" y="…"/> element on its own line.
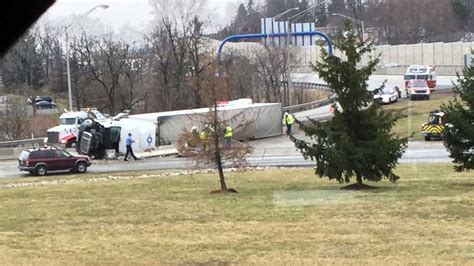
<point x="99" y="137"/>
<point x="68" y="129"/>
<point x="249" y="120"/>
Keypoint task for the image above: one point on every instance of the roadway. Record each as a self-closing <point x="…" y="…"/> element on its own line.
<point x="271" y="152"/>
<point x="374" y="82"/>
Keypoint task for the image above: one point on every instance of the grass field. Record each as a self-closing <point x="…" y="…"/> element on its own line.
<point x="284" y="216"/>
<point x="417" y="113"/>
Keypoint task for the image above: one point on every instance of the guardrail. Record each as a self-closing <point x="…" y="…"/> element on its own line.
<point x="22" y="143"/>
<point x="310" y="85"/>
<point x="310" y="105"/>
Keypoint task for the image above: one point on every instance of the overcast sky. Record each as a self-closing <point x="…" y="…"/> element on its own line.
<point x="135" y="13"/>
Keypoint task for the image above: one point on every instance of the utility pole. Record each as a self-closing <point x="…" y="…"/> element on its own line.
<point x="68" y="68"/>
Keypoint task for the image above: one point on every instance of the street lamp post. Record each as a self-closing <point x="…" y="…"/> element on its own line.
<point x="287" y="37"/>
<point x="291" y="19"/>
<point x="360" y="22"/>
<point x="284" y="13"/>
<point x="68" y="68"/>
<point x="302" y="13"/>
<point x="276" y="17"/>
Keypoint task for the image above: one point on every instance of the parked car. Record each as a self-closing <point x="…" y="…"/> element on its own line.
<point x="388" y="94"/>
<point x="43" y="99"/>
<point x="45" y="105"/>
<point x="33" y="99"/>
<point x="43" y="160"/>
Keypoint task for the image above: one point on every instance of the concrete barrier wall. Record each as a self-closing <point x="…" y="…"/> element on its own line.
<point x="10" y="153"/>
<point x="448" y="57"/>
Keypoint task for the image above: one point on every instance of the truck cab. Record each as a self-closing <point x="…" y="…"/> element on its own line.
<point x="68" y="129"/>
<point x="434" y="128"/>
<point x="96" y="138"/>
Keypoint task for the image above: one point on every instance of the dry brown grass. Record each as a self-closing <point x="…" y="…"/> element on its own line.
<point x="279" y="217"/>
<point x="38" y="125"/>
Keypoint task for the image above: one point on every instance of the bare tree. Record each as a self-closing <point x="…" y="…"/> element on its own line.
<point x="240" y="76"/>
<point x="170" y="47"/>
<point x="80" y="80"/>
<point x="197" y="59"/>
<point x="273" y="67"/>
<point x="14" y="119"/>
<point x="207" y="147"/>
<point x="178" y="62"/>
<point x="178" y="11"/>
<point x="104" y="61"/>
<point x="52" y="56"/>
<point x="357" y="8"/>
<point x="405" y="21"/>
<point x="133" y="92"/>
<point x="162" y="67"/>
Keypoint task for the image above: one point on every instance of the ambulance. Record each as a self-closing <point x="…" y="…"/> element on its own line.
<point x="421" y="72"/>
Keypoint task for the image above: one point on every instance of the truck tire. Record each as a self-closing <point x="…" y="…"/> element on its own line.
<point x="412" y="97"/>
<point x="70" y="143"/>
<point x="81" y="167"/>
<point x="427" y="138"/>
<point x="41" y="170"/>
<point x="427" y="97"/>
<point x="88" y="121"/>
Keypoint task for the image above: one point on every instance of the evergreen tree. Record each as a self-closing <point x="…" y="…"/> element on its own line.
<point x="253" y="21"/>
<point x="250" y="7"/>
<point x="321" y="16"/>
<point x="240" y="20"/>
<point x="274" y="7"/>
<point x="459" y="132"/>
<point x="357" y="141"/>
<point x="337" y="6"/>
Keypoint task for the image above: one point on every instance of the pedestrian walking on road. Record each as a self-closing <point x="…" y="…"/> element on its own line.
<point x="288" y="120"/>
<point x="128" y="144"/>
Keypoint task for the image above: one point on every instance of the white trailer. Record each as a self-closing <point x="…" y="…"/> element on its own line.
<point x="250" y="121"/>
<point x="143" y="133"/>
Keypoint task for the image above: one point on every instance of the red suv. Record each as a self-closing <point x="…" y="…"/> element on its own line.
<point x="40" y="161"/>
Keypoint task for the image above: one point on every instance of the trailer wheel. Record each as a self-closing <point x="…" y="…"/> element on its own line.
<point x="427" y="138"/>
